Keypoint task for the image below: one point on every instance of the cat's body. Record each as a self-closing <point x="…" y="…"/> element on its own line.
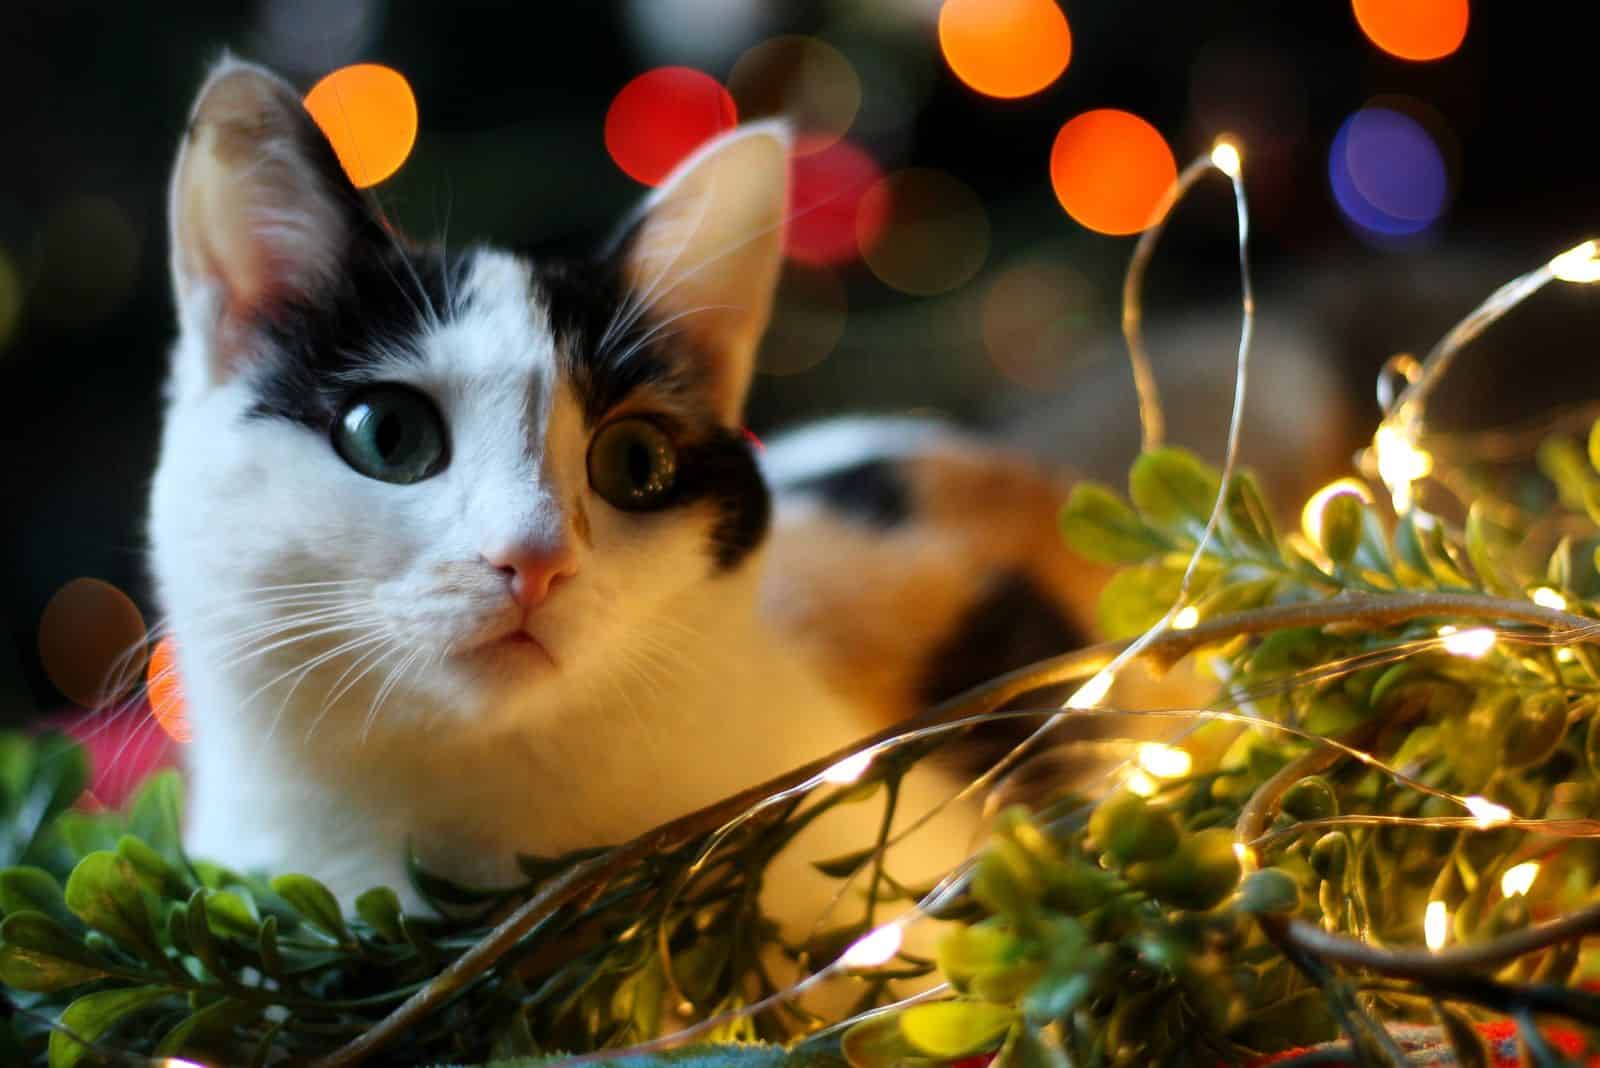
<point x="464" y="554"/>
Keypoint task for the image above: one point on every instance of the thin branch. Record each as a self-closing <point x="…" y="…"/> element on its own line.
<point x="1166" y="648"/>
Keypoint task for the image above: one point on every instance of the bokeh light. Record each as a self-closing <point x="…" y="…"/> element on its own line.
<point x="91" y="642"/>
<point x="369" y="114"/>
<point x="827" y="222"/>
<point x="304" y="37"/>
<point x="166" y="691"/>
<point x="1005" y="48"/>
<point x="807" y="80"/>
<point x="1110" y="169"/>
<point x="808" y="320"/>
<point x="10" y="298"/>
<point x="87" y="263"/>
<point x="1037" y="314"/>
<point x="931" y="233"/>
<point x="663" y="115"/>
<point x="1387" y="173"/>
<point x="1413" y="29"/>
<point x="698" y="33"/>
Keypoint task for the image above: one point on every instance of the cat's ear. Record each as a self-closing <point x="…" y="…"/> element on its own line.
<point x="706" y="249"/>
<point x="262" y="214"/>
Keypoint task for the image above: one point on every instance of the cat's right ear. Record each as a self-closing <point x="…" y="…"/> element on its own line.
<point x="262" y="215"/>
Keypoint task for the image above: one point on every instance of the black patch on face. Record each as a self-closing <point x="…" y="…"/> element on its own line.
<point x="383" y="300"/>
<point x="723" y="471"/>
<point x="1014" y="623"/>
<point x="872" y="491"/>
<point x="606" y="351"/>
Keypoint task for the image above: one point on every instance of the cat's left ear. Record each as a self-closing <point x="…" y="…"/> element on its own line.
<point x="706" y="250"/>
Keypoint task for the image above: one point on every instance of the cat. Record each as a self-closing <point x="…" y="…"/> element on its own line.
<point x="463" y="553"/>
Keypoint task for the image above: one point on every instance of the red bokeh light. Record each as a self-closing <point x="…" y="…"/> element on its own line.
<point x="827" y="202"/>
<point x="662" y="116"/>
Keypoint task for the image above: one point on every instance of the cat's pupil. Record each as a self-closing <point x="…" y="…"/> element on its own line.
<point x="640" y="463"/>
<point x="388" y="435"/>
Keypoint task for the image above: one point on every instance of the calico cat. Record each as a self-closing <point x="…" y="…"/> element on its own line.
<point x="464" y="553"/>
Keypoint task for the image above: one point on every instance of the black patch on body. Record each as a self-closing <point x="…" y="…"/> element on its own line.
<point x="1014" y="624"/>
<point x="383" y="299"/>
<point x="873" y="491"/>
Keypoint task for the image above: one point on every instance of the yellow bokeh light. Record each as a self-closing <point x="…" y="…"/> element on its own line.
<point x="1140" y="783"/>
<point x="849" y="769"/>
<point x="1436" y="925"/>
<point x="1036" y="314"/>
<point x="1092" y="692"/>
<point x="1473" y="644"/>
<point x="1519" y="878"/>
<point x="91" y="642"/>
<point x="803" y="79"/>
<point x="808" y="320"/>
<point x="1186" y="618"/>
<point x="1005" y="48"/>
<point x="369" y="115"/>
<point x="1545" y="597"/>
<point x="1225" y="158"/>
<point x="874" y="948"/>
<point x="1580" y="265"/>
<point x="1164" y="761"/>
<point x="931" y="233"/>
<point x="1400" y="463"/>
<point x="1486" y="813"/>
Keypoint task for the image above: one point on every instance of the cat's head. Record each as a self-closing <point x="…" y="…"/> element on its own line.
<point x="488" y="481"/>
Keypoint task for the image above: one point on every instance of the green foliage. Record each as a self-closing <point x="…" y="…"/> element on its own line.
<point x="1136" y="930"/>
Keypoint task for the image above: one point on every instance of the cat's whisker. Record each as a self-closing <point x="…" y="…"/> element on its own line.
<point x="389" y="686"/>
<point x="345" y="683"/>
<point x="250" y="639"/>
<point x="382" y="647"/>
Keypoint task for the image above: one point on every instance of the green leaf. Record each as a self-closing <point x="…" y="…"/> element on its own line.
<point x="1101" y="526"/>
<point x="879" y="1043"/>
<point x="956" y="1028"/>
<point x="315" y="903"/>
<point x="156" y="814"/>
<point x="232" y="915"/>
<point x="1136" y="598"/>
<point x="967" y="952"/>
<point x="1172" y="487"/>
<point x="1202" y="873"/>
<point x="1247" y="515"/>
<point x="55" y="777"/>
<point x="158" y="876"/>
<point x="1026" y="1049"/>
<point x="25" y="889"/>
<point x="105" y="893"/>
<point x="1594" y="445"/>
<point x="1268" y="890"/>
<point x="1535" y="729"/>
<point x="1128" y="828"/>
<point x="199" y="929"/>
<point x="380" y="908"/>
<point x="209" y="1026"/>
<point x="37" y="953"/>
<point x="1340" y="536"/>
<point x="93" y="1015"/>
<point x="1489" y="547"/>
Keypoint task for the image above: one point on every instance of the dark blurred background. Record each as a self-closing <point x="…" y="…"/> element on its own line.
<point x="512" y="103"/>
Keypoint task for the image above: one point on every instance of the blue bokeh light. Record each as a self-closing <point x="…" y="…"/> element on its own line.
<point x="1387" y="173"/>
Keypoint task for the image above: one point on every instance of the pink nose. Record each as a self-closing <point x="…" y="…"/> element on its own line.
<point x="533" y="571"/>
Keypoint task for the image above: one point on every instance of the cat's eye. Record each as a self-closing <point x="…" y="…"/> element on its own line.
<point x="391" y="433"/>
<point x="633" y="465"/>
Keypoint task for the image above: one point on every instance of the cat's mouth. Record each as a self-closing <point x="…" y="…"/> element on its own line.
<point x="517" y="644"/>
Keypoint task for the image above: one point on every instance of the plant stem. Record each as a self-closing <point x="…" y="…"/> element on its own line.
<point x="1372" y="612"/>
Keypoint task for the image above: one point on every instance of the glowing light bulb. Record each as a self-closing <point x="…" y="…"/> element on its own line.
<point x="1186" y="619"/>
<point x="873" y="948"/>
<point x="1225" y="158"/>
<point x="1519" y="879"/>
<point x="1092" y="692"/>
<point x="1548" y="598"/>
<point x="178" y="1062"/>
<point x="1164" y="761"/>
<point x="1141" y="784"/>
<point x="1565" y="655"/>
<point x="1400" y="463"/>
<point x="1474" y="644"/>
<point x="1580" y="264"/>
<point x="1245" y="856"/>
<point x="1485" y="812"/>
<point x="1436" y="925"/>
<point x="1311" y="514"/>
<point x="849" y="769"/>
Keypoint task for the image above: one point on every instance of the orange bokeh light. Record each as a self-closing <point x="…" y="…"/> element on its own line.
<point x="369" y="114"/>
<point x="1413" y="29"/>
<point x="166" y="692"/>
<point x="1110" y="169"/>
<point x="1005" y="48"/>
<point x="662" y="116"/>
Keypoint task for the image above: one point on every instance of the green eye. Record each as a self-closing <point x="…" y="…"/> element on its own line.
<point x="633" y="465"/>
<point x="391" y="433"/>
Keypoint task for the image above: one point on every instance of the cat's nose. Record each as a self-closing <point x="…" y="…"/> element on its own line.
<point x="533" y="571"/>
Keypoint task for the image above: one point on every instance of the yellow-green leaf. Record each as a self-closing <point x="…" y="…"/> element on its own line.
<point x="1172" y="487"/>
<point x="93" y="1015"/>
<point x="314" y="902"/>
<point x="38" y="954"/>
<point x="1100" y="525"/>
<point x="956" y="1028"/>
